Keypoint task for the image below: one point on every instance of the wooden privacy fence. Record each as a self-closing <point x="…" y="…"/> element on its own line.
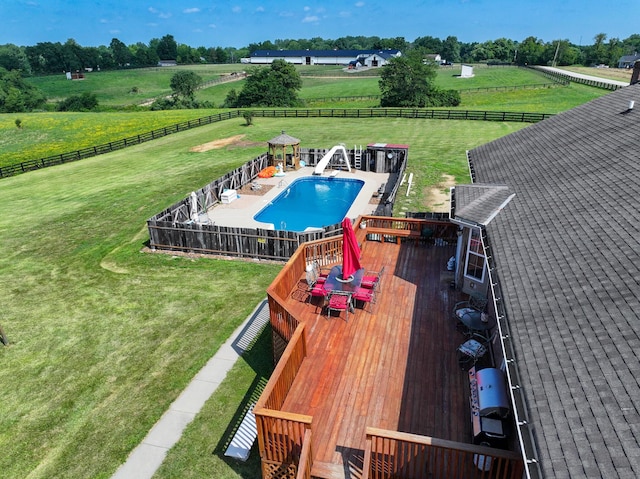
<point x="416" y="113"/>
<point x="398" y="455"/>
<point x="174" y="229"/>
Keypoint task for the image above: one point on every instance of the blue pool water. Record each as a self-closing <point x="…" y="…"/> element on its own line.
<point x="311" y="202"/>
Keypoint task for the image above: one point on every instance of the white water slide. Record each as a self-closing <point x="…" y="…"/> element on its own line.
<point x="322" y="164"/>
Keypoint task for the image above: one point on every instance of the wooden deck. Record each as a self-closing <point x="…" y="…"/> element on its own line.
<point x="392" y="368"/>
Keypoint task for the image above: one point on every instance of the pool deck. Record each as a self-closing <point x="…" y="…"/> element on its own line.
<point x="240" y="213"/>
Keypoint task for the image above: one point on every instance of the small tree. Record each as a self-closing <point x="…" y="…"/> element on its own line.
<point x="18" y="123"/>
<point x="407" y="81"/>
<point x="184" y="84"/>
<point x="248" y="117"/>
<point x="277" y="85"/>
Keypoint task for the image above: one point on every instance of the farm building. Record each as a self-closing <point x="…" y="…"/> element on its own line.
<point x="627" y="61"/>
<point x="321" y="57"/>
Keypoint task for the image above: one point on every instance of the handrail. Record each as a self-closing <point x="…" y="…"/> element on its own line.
<point x="399" y="455"/>
<point x="306" y="458"/>
<point x="284" y="373"/>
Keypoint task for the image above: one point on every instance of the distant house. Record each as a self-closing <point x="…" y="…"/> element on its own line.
<point x="433" y="57"/>
<point x="167" y="63"/>
<point x="378" y="59"/>
<point x="319" y="57"/>
<point x="627" y="61"/>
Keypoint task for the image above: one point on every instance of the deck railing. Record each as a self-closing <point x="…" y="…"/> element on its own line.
<point x="306" y="458"/>
<point x="281" y="435"/>
<point x="397" y="455"/>
<point x="284" y="438"/>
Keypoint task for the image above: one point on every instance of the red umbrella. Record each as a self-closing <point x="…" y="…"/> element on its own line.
<point x="350" y="250"/>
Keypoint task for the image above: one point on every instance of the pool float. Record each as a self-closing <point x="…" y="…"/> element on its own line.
<point x="267" y="172"/>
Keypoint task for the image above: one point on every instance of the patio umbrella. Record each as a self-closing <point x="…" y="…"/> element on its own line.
<point x="350" y="250"/>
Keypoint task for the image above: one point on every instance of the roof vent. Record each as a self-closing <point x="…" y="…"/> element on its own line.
<point x="631" y="103"/>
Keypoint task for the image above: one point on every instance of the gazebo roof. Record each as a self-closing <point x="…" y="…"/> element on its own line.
<point x="283" y="139"/>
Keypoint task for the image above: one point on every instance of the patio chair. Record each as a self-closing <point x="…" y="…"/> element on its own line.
<point x="318" y="291"/>
<point x="365" y="296"/>
<point x="339" y="301"/>
<point x="372" y="279"/>
<point x="321" y="273"/>
<point x="475" y="305"/>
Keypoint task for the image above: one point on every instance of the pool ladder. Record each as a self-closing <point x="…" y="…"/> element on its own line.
<point x="282" y="184"/>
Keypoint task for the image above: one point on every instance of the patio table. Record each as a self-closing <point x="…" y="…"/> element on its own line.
<point x="334" y="281"/>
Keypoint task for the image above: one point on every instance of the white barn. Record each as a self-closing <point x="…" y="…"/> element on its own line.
<point x="321" y="57"/>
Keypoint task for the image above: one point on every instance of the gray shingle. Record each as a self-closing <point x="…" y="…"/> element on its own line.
<point x="568" y="258"/>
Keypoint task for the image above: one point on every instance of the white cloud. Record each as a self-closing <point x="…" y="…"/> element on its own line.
<point x="191" y="10"/>
<point x="260" y="9"/>
<point x="236" y="9"/>
<point x="344" y="14"/>
<point x="160" y="14"/>
<point x="306" y="9"/>
<point x="310" y="19"/>
<point x="104" y="20"/>
<point x="212" y="25"/>
<point x="359" y="4"/>
<point x="114" y="32"/>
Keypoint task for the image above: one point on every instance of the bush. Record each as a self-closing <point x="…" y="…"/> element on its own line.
<point x="84" y="102"/>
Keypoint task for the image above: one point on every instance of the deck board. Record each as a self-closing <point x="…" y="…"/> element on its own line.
<point x="393" y="367"/>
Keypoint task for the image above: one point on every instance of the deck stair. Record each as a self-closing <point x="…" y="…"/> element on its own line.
<point x="326" y="470"/>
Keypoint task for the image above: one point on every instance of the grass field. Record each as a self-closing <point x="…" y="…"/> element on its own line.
<point x="103" y="336"/>
<point x="45" y="134"/>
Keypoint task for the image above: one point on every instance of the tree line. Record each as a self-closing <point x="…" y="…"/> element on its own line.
<point x="56" y="57"/>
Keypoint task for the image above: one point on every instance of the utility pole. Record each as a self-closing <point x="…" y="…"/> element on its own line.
<point x="555" y="57"/>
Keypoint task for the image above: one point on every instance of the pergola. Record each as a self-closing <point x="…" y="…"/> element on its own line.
<point x="278" y="151"/>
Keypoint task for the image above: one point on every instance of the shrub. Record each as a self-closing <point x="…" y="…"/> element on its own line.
<point x="84" y="102"/>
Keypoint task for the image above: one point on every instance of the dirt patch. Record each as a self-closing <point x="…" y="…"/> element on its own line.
<point x="438" y="199"/>
<point x="234" y="141"/>
<point x="248" y="190"/>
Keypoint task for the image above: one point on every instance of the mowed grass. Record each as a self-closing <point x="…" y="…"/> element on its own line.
<point x="116" y="87"/>
<point x="104" y="336"/>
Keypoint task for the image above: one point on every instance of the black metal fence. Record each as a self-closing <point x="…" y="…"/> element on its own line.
<point x="289" y="113"/>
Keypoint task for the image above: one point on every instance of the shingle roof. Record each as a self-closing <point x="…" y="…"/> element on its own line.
<point x="479" y="203"/>
<point x="567" y="257"/>
<point x="320" y="53"/>
<point x="284" y="139"/>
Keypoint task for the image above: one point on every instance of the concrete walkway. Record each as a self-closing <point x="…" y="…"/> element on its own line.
<point x="147" y="457"/>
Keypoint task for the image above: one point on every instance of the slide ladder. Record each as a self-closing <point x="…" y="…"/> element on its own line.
<point x="357" y="157"/>
<point x="322" y="164"/>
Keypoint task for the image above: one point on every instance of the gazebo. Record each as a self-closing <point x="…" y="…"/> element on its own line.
<point x="278" y="151"/>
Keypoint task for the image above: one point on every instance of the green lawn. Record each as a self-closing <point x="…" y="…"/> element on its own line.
<point x="114" y="87"/>
<point x="103" y="336"/>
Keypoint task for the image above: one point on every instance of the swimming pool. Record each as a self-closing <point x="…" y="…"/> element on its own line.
<point x="311" y="202"/>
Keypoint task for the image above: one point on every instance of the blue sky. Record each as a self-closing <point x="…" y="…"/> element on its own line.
<point x="239" y="23"/>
